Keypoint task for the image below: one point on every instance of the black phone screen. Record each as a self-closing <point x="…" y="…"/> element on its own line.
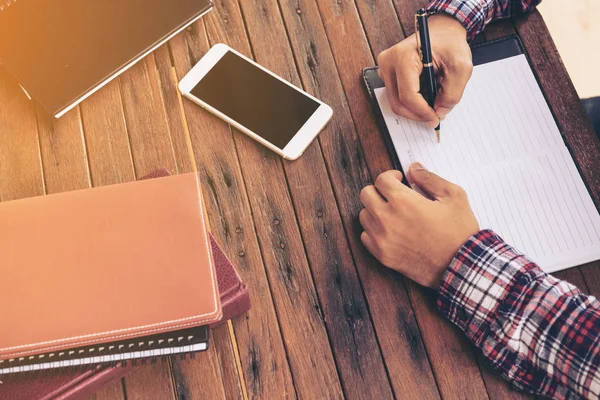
<point x="255" y="99"/>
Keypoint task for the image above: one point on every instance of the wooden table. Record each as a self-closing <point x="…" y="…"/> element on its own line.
<point x="327" y="320"/>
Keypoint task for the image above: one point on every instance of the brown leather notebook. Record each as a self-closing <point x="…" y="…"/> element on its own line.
<point x="73" y="383"/>
<point x="62" y="51"/>
<point x="77" y="384"/>
<point x="105" y="274"/>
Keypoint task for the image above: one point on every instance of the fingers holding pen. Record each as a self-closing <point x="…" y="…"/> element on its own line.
<point x="400" y="68"/>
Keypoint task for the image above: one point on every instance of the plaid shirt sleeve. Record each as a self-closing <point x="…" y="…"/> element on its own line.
<point x="476" y="14"/>
<point x="541" y="333"/>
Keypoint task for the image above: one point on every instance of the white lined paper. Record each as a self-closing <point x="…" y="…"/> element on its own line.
<point x="502" y="145"/>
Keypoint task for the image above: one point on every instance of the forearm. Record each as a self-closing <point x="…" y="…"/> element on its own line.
<point x="541" y="333"/>
<point x="476" y="14"/>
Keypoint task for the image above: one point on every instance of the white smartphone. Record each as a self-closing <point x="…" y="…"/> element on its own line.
<point x="259" y="103"/>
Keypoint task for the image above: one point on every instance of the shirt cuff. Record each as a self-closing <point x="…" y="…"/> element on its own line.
<point x="473" y="14"/>
<point x="478" y="281"/>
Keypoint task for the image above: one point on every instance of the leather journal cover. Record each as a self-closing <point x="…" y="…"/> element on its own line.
<point x="62" y="51"/>
<point x="138" y="264"/>
<point x="70" y="384"/>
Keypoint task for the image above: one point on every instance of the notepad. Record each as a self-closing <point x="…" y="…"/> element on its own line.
<point x="107" y="274"/>
<point x="502" y="145"/>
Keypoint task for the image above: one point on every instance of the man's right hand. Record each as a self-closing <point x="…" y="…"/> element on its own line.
<point x="400" y="68"/>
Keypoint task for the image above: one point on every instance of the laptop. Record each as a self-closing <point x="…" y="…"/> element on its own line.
<point x="62" y="51"/>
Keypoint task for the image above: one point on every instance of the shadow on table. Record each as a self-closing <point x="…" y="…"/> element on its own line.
<point x="592" y="107"/>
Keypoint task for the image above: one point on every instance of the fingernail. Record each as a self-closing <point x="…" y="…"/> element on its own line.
<point x="432" y="124"/>
<point x="442" y="112"/>
<point x="418" y="166"/>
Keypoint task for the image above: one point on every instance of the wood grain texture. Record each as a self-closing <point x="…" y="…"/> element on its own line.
<point x="63" y="151"/>
<point x="178" y="129"/>
<point x="344" y="308"/>
<point x="380" y="23"/>
<point x="231" y="368"/>
<point x="264" y="363"/>
<point x="146" y="118"/>
<point x="282" y="247"/>
<point x="113" y="391"/>
<point x="455" y="370"/>
<point x="106" y="137"/>
<point x="151" y="146"/>
<point x="190" y="375"/>
<point x="153" y="381"/>
<point x="20" y="160"/>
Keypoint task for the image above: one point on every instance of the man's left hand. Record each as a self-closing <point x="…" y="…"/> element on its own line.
<point x="416" y="235"/>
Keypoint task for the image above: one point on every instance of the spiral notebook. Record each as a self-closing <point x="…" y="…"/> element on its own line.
<point x="503" y="146"/>
<point x="105" y="275"/>
<point x="62" y="51"/>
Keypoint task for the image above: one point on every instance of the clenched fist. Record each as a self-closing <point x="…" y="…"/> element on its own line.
<point x="413" y="234"/>
<point x="400" y="68"/>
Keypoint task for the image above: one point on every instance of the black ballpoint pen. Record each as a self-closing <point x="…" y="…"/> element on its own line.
<point x="427" y="80"/>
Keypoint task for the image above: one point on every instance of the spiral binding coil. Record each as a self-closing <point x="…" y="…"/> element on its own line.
<point x="127" y="352"/>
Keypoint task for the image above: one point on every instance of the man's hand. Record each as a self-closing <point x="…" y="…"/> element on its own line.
<point x="410" y="233"/>
<point x="400" y="68"/>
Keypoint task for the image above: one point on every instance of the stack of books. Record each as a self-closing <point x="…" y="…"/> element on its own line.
<point x="98" y="281"/>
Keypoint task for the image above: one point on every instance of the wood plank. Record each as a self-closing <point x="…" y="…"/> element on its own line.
<point x="499" y="29"/>
<point x="20" y="161"/>
<point x="567" y="109"/>
<point x="63" y="151"/>
<point x="146" y="118"/>
<point x="106" y="137"/>
<point x="343" y="304"/>
<point x="348" y="172"/>
<point x="455" y="371"/>
<point x="153" y="381"/>
<point x="194" y="378"/>
<point x="113" y="391"/>
<point x="187" y="372"/>
<point x="380" y="24"/>
<point x="178" y="129"/>
<point x="151" y="148"/>
<point x="282" y="248"/>
<point x="231" y="369"/>
<point x="262" y="353"/>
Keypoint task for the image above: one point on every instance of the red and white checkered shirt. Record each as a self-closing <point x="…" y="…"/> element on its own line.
<point x="475" y="14"/>
<point x="541" y="333"/>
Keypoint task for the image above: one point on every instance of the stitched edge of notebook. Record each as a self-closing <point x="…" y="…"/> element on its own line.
<point x="370" y="89"/>
<point x="167" y="324"/>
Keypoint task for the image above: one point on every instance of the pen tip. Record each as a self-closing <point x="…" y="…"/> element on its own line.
<point x="437" y="134"/>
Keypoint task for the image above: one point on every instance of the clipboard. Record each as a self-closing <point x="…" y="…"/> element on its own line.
<point x="489" y="181"/>
<point x="482" y="53"/>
